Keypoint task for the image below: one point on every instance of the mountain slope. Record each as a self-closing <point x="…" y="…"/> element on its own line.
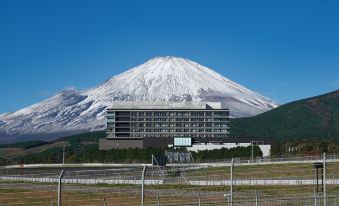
<point x="313" y="117"/>
<point x="159" y="79"/>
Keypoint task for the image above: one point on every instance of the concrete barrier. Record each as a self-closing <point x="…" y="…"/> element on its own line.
<point x="264" y="182"/>
<point x="211" y="164"/>
<point x="81" y="181"/>
<point x="159" y="182"/>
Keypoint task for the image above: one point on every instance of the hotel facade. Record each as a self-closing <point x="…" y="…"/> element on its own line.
<point x="140" y="125"/>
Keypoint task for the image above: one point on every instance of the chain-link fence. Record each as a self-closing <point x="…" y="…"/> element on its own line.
<point x="297" y="182"/>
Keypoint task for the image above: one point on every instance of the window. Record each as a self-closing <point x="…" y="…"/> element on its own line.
<point x="220" y="119"/>
<point x="197" y="114"/>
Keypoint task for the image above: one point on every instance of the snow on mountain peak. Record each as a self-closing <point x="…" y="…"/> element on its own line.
<point x="175" y="79"/>
<point x="159" y="79"/>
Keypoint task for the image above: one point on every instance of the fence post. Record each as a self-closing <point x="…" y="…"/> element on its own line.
<point x="199" y="199"/>
<point x="256" y="199"/>
<point x="158" y="200"/>
<point x="142" y="185"/>
<point x="104" y="201"/>
<point x="59" y="187"/>
<point x="324" y="176"/>
<point x="231" y="188"/>
<point x="335" y="201"/>
<point x="315" y="197"/>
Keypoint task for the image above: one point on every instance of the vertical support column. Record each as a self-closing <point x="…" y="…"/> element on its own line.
<point x="142" y="185"/>
<point x="199" y="199"/>
<point x="59" y="187"/>
<point x="63" y="153"/>
<point x="335" y="201"/>
<point x="316" y="176"/>
<point x="324" y="176"/>
<point x="315" y="196"/>
<point x="158" y="200"/>
<point x="256" y="199"/>
<point x="252" y="152"/>
<point x="231" y="178"/>
<point x="152" y="160"/>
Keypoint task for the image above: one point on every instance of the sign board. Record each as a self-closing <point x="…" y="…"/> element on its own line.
<point x="182" y="142"/>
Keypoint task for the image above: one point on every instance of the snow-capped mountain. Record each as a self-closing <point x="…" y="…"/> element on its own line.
<point x="159" y="79"/>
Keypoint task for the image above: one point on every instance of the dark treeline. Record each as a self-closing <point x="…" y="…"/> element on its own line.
<point x="305" y="147"/>
<point x="91" y="153"/>
<point x="224" y="153"/>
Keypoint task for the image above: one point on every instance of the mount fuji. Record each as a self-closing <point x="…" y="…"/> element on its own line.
<point x="171" y="79"/>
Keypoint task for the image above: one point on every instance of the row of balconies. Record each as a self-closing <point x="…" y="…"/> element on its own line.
<point x="191" y="116"/>
<point x="164" y="121"/>
<point x="172" y="136"/>
<point x="168" y="127"/>
<point x="124" y="132"/>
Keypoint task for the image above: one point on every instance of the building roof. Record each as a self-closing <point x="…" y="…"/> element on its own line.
<point x="166" y="105"/>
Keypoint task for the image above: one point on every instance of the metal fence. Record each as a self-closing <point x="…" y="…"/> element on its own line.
<point x="281" y="182"/>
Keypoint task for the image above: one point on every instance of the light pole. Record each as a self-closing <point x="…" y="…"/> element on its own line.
<point x="143" y="185"/>
<point x="324" y="179"/>
<point x="63" y="153"/>
<point x="227" y="195"/>
<point x="231" y="188"/>
<point x="252" y="150"/>
<point x="59" y="187"/>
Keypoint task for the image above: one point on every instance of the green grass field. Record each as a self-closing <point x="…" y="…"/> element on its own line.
<point x="183" y="194"/>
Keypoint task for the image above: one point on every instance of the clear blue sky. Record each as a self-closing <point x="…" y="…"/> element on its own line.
<point x="286" y="50"/>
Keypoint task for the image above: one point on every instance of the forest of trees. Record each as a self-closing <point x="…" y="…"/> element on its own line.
<point x="91" y="153"/>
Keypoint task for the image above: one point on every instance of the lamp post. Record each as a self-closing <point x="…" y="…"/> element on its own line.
<point x="63" y="153"/>
<point x="252" y="151"/>
<point x="227" y="195"/>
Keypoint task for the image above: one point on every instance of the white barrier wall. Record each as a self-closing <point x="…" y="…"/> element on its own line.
<point x="160" y="182"/>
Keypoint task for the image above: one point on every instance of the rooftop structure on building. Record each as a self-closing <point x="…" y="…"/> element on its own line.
<point x="166" y="105"/>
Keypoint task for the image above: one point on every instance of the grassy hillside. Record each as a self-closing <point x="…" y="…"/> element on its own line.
<point x="49" y="151"/>
<point x="24" y="144"/>
<point x="316" y="117"/>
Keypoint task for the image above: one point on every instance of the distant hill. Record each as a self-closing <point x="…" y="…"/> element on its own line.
<point x="40" y="150"/>
<point x="316" y="117"/>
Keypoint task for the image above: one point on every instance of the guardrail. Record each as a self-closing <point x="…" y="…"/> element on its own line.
<point x="221" y="162"/>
